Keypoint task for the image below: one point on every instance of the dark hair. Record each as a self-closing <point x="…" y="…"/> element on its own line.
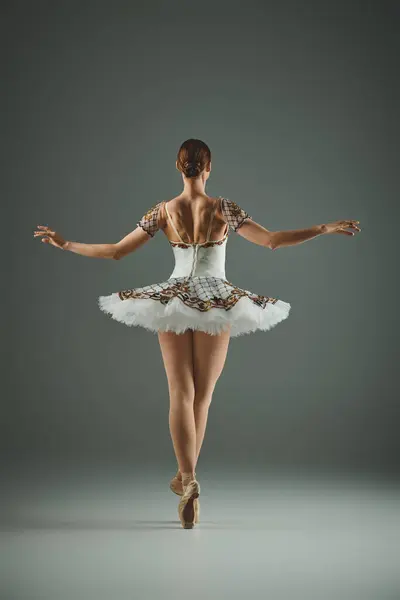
<point x="193" y="157"/>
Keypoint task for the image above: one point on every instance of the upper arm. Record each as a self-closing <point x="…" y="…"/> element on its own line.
<point x="240" y="221"/>
<point x="146" y="228"/>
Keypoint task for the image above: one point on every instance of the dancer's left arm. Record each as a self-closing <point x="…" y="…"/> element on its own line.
<point x="146" y="228"/>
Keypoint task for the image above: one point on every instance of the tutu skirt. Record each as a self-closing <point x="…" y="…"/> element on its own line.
<point x="203" y="303"/>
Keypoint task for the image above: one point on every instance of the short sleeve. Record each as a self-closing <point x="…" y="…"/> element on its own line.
<point x="233" y="214"/>
<point x="150" y="220"/>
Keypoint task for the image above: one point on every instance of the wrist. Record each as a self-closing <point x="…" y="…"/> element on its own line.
<point x="65" y="246"/>
<point x="322" y="229"/>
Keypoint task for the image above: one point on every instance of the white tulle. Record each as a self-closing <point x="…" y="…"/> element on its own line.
<point x="194" y="262"/>
<point x="244" y="317"/>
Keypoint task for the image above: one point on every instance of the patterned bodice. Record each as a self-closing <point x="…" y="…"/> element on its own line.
<point x="198" y="259"/>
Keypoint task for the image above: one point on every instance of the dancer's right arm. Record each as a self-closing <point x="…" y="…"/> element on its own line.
<point x="242" y="223"/>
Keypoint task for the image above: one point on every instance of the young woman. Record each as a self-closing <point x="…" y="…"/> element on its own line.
<point x="196" y="310"/>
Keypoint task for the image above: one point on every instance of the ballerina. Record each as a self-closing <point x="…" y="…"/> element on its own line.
<point x="196" y="310"/>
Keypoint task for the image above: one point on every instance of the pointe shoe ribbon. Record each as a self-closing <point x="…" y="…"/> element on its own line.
<point x="176" y="485"/>
<point x="187" y="509"/>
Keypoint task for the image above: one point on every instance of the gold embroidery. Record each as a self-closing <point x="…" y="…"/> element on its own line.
<point x="149" y="221"/>
<point x="233" y="213"/>
<point x="201" y="293"/>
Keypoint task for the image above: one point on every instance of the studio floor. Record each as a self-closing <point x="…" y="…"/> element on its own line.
<point x="116" y="536"/>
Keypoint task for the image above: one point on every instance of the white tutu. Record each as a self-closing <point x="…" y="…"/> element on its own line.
<point x="197" y="294"/>
<point x="207" y="304"/>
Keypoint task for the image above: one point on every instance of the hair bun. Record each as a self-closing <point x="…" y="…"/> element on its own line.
<point x="191" y="169"/>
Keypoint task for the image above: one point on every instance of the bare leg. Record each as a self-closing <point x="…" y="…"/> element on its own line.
<point x="209" y="355"/>
<point x="177" y="354"/>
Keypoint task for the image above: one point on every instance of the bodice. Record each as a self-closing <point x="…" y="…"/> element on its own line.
<point x="199" y="260"/>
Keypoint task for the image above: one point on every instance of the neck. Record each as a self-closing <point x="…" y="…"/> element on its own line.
<point x="194" y="186"/>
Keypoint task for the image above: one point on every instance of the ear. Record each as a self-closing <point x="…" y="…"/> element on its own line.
<point x="176" y="165"/>
<point x="208" y="168"/>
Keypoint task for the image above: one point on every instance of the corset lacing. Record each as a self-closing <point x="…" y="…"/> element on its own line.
<point x="194" y="262"/>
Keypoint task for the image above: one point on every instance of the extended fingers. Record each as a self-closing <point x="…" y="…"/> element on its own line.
<point x="352" y="224"/>
<point x="45" y="231"/>
<point x="41" y="233"/>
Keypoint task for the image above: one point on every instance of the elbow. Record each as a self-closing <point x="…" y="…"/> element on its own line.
<point x="116" y="253"/>
<point x="272" y="242"/>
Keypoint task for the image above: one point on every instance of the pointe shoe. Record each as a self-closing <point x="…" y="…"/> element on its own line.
<point x="196" y="506"/>
<point x="187" y="509"/>
<point x="176" y="485"/>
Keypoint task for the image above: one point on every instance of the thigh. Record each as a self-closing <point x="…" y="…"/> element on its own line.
<point x="209" y="355"/>
<point x="177" y="355"/>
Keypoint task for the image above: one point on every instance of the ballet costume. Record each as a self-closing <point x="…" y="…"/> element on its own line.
<point x="197" y="294"/>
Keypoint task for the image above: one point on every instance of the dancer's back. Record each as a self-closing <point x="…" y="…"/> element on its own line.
<point x="191" y="217"/>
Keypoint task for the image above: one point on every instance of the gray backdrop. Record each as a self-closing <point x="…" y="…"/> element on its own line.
<point x="299" y="105"/>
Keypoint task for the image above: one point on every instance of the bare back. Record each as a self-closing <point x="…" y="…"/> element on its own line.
<point x="194" y="221"/>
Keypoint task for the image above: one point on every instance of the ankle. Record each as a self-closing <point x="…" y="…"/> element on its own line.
<point x="187" y="477"/>
<point x="179" y="474"/>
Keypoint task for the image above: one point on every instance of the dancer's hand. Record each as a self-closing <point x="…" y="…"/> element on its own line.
<point x="50" y="237"/>
<point x="341" y="227"/>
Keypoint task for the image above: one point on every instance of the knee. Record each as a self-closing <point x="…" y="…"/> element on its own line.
<point x="203" y="397"/>
<point x="181" y="395"/>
